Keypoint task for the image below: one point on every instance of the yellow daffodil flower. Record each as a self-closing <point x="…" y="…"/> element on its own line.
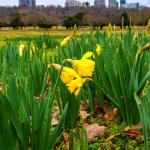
<point x="114" y="27"/>
<point x="98" y="49"/>
<point x="75" y="85"/>
<point x="21" y="48"/>
<point x="65" y="41"/>
<point x="33" y="47"/>
<point x="87" y="55"/>
<point x="67" y="74"/>
<point x="110" y="27"/>
<point x="83" y="67"/>
<point x="109" y="30"/>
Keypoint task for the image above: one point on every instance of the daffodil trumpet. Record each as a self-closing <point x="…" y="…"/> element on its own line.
<point x="76" y="85"/>
<point x="84" y="67"/>
<point x="67" y="74"/>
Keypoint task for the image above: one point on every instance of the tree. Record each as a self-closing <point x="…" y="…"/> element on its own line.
<point x="82" y="16"/>
<point x="95" y="25"/>
<point x="125" y="19"/>
<point x="15" y="20"/>
<point x="1" y="24"/>
<point x="44" y="24"/>
<point x="78" y="18"/>
<point x="102" y="24"/>
<point x="70" y="22"/>
<point x="87" y="4"/>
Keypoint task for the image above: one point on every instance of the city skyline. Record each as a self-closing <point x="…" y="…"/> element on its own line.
<point x="62" y="2"/>
<point x="31" y="3"/>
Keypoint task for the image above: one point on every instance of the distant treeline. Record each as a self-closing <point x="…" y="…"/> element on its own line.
<point x="46" y="17"/>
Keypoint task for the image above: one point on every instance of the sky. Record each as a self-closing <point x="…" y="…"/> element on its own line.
<point x="61" y="2"/>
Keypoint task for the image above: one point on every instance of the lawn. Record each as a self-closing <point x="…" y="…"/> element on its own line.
<point x="30" y="31"/>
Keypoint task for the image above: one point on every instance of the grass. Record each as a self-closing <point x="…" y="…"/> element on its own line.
<point x="30" y="31"/>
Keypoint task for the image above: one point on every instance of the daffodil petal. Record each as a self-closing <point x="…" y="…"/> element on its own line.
<point x="98" y="49"/>
<point x="84" y="67"/>
<point x="75" y="85"/>
<point x="65" y="41"/>
<point x="87" y="55"/>
<point x="67" y="74"/>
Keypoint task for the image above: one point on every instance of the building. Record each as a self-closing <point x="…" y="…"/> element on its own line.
<point x="123" y="4"/>
<point x="75" y="3"/>
<point x="27" y="3"/>
<point x="99" y="3"/>
<point x="113" y="4"/>
<point x="143" y="7"/>
<point x="32" y="3"/>
<point x="134" y="5"/>
<point x="23" y="3"/>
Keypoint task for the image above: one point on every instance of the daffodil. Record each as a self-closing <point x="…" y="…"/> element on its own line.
<point x="109" y="30"/>
<point x="98" y="49"/>
<point x="33" y="47"/>
<point x="87" y="55"/>
<point x="67" y="74"/>
<point x="110" y="27"/>
<point x="114" y="27"/>
<point x="75" y="85"/>
<point x="21" y="48"/>
<point x="65" y="41"/>
<point x="84" y="67"/>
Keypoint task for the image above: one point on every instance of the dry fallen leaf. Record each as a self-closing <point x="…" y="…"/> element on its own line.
<point x="84" y="106"/>
<point x="54" y="121"/>
<point x="115" y="111"/>
<point x="66" y="138"/>
<point x="38" y="98"/>
<point x="138" y="126"/>
<point x="93" y="131"/>
<point x="1" y="87"/>
<point x="111" y="114"/>
<point x="55" y="115"/>
<point x="133" y="130"/>
<point x="84" y="115"/>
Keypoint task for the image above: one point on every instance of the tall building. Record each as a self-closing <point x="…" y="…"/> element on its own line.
<point x="122" y="3"/>
<point x="113" y="3"/>
<point x="134" y="5"/>
<point x="99" y="3"/>
<point x="23" y="3"/>
<point x="32" y="3"/>
<point x="28" y="3"/>
<point x="74" y="3"/>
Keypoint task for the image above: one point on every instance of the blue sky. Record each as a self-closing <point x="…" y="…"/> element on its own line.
<point x="60" y="2"/>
